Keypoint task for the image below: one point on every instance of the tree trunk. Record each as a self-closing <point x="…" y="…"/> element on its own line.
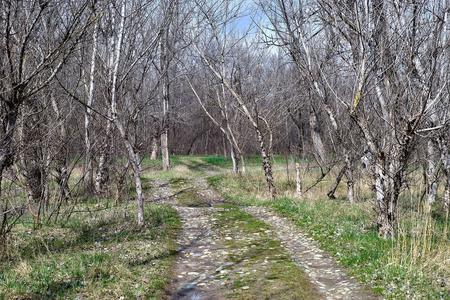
<point x="350" y="180"/>
<point x="154" y="153"/>
<point x="133" y="156"/>
<point x="299" y="180"/>
<point x="164" y="61"/>
<point x="242" y="163"/>
<point x="165" y="146"/>
<point x="136" y="163"/>
<point x="319" y="147"/>
<point x="267" y="167"/>
<point x="7" y="130"/>
<point x="88" y="114"/>
<point x="225" y="154"/>
<point x="333" y="188"/>
<point x="234" y="159"/>
<point x="390" y="182"/>
<point x="8" y="124"/>
<point x="445" y="159"/>
<point x="384" y="221"/>
<point x="102" y="170"/>
<point x="431" y="176"/>
<point x="446" y="204"/>
<point x="46" y="194"/>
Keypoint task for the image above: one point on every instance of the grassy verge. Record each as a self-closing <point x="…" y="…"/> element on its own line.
<point x="414" y="265"/>
<point x="267" y="272"/>
<point x="99" y="255"/>
<point x="98" y="252"/>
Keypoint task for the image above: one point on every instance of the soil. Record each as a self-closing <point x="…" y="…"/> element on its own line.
<point x="204" y="270"/>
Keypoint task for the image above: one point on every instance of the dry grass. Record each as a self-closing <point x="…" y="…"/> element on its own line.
<point x="416" y="264"/>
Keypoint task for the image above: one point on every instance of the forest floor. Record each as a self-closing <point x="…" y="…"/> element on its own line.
<point x="213" y="234"/>
<point x="231" y="251"/>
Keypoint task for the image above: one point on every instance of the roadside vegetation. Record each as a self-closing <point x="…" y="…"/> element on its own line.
<point x="94" y="250"/>
<point x="415" y="264"/>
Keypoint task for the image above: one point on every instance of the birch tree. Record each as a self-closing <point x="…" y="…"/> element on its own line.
<point x="394" y="85"/>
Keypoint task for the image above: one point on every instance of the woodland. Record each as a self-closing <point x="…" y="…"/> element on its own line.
<point x="307" y="100"/>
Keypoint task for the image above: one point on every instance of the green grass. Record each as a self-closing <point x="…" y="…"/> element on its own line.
<point x="219" y="161"/>
<point x="190" y="198"/>
<point x="99" y="255"/>
<point x="416" y="263"/>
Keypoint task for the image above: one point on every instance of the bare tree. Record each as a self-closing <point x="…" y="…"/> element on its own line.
<point x="393" y="91"/>
<point x="218" y="17"/>
<point x="299" y="29"/>
<point x="30" y="62"/>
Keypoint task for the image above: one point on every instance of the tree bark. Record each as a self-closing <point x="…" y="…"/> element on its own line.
<point x="317" y="139"/>
<point x="431" y="175"/>
<point x="267" y="167"/>
<point x="88" y="113"/>
<point x="102" y="171"/>
<point x="225" y="153"/>
<point x="242" y="163"/>
<point x="298" y="181"/>
<point x="234" y="159"/>
<point x="350" y="180"/>
<point x="333" y="188"/>
<point x="133" y="156"/>
<point x="445" y="160"/>
<point x="154" y="145"/>
<point x="8" y="125"/>
<point x="164" y="66"/>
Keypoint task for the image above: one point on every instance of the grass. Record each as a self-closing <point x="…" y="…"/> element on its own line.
<point x="100" y="253"/>
<point x="190" y="198"/>
<point x="416" y="264"/>
<point x="97" y="253"/>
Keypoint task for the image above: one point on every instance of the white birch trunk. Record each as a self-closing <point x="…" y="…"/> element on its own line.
<point x="101" y="169"/>
<point x="317" y="139"/>
<point x="88" y="113"/>
<point x="350" y="180"/>
<point x="164" y="65"/>
<point x="298" y="180"/>
<point x="235" y="160"/>
<point x="154" y="153"/>
<point x="133" y="156"/>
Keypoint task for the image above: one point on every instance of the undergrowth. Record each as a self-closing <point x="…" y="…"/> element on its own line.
<point x="94" y="250"/>
<point x="100" y="255"/>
